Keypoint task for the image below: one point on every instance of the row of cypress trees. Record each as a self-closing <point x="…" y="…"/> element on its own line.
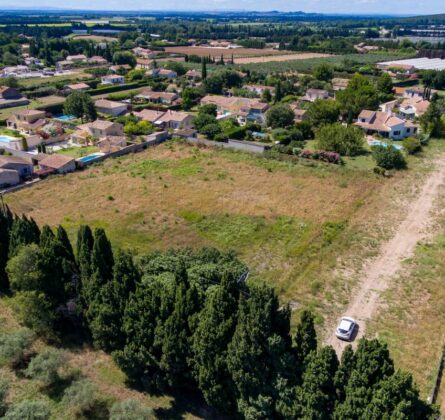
<point x="185" y="320"/>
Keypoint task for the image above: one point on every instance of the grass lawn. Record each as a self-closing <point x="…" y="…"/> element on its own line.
<point x="41" y="81"/>
<point x="77" y="152"/>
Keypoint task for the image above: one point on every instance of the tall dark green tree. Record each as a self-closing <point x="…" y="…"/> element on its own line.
<point x="203" y="69"/>
<point x="216" y="325"/>
<point x="84" y="248"/>
<point x="23" y="231"/>
<point x="305" y="337"/>
<point x="6" y="220"/>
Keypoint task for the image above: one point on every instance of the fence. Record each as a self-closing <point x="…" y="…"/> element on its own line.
<point x="438" y="379"/>
<point x="245" y="146"/>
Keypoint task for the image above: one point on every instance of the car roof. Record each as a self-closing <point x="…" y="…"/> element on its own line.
<point x="345" y="323"/>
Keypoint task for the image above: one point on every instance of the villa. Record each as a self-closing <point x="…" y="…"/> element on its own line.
<point x="313" y="94"/>
<point x="112" y="79"/>
<point x="149" y="115"/>
<point x="112" y="144"/>
<point x="244" y="109"/>
<point x="164" y="98"/>
<point x="385" y="124"/>
<point x="165" y="73"/>
<point x="23" y="167"/>
<point x="27" y="120"/>
<point x="57" y="163"/>
<point x="9" y="178"/>
<point x="108" y="107"/>
<point x="96" y="130"/>
<point x="175" y="120"/>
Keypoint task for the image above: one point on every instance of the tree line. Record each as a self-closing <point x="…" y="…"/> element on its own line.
<point x="184" y="319"/>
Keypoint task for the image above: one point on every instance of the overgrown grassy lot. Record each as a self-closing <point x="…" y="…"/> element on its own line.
<point x="305" y="228"/>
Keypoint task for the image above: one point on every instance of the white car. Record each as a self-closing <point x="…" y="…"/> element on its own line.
<point x="345" y="328"/>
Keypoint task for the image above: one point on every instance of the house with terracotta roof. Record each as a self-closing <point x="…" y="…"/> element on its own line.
<point x="98" y="129"/>
<point x="413" y="107"/>
<point x="120" y="68"/>
<point x="163" y="98"/>
<point x="79" y="87"/>
<point x="27" y="120"/>
<point x="112" y="144"/>
<point x="57" y="163"/>
<point x="313" y="94"/>
<point x="193" y="75"/>
<point x="244" y="109"/>
<point x="76" y="58"/>
<point x="10" y="97"/>
<point x="98" y="60"/>
<point x="150" y="115"/>
<point x="300" y="114"/>
<point x="339" y="84"/>
<point x="105" y="106"/>
<point x="164" y="73"/>
<point x="112" y="79"/>
<point x="174" y="120"/>
<point x="259" y="89"/>
<point x="385" y="124"/>
<point x="23" y="167"/>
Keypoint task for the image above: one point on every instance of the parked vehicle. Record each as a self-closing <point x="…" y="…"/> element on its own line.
<point x="345" y="328"/>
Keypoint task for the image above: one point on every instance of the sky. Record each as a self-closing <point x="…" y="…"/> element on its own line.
<point x="401" y="7"/>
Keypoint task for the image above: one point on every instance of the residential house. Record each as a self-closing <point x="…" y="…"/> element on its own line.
<point x="299" y="114"/>
<point x="113" y="108"/>
<point x="164" y="73"/>
<point x="112" y="144"/>
<point x="64" y="65"/>
<point x="313" y="94"/>
<point x="143" y="63"/>
<point x="9" y="178"/>
<point x="389" y="106"/>
<point x="79" y="87"/>
<point x="193" y="75"/>
<point x="244" y="109"/>
<point x="149" y="115"/>
<point x="112" y="79"/>
<point x="259" y="89"/>
<point x="416" y="92"/>
<point x="76" y="58"/>
<point x="385" y="124"/>
<point x="10" y="97"/>
<point x="26" y="120"/>
<point x="97" y="60"/>
<point x="120" y="68"/>
<point x="175" y="120"/>
<point x="23" y="167"/>
<point x="362" y="48"/>
<point x="164" y="98"/>
<point x="143" y="52"/>
<point x="413" y="107"/>
<point x="97" y="130"/>
<point x="58" y="163"/>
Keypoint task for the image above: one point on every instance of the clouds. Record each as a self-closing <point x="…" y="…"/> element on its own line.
<point x="320" y="6"/>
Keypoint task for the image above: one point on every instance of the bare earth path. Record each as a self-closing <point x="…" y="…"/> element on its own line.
<point x="377" y="274"/>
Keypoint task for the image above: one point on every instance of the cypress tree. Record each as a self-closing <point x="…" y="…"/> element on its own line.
<point x="305" y="337"/>
<point x="344" y="372"/>
<point x="67" y="248"/>
<point x="46" y="236"/>
<point x="102" y="257"/>
<point x="278" y="92"/>
<point x="203" y="69"/>
<point x="85" y="243"/>
<point x="6" y="220"/>
<point x="23" y="232"/>
<point x="216" y="325"/>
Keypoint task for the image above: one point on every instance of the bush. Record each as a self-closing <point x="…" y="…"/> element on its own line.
<point x="388" y="157"/>
<point x="412" y="145"/>
<point x="130" y="410"/>
<point x="81" y="395"/>
<point x="211" y="130"/>
<point x="28" y="410"/>
<point x="4" y="388"/>
<point x="280" y="116"/>
<point x="329" y="157"/>
<point x="46" y="365"/>
<point x="348" y="141"/>
<point x="13" y="347"/>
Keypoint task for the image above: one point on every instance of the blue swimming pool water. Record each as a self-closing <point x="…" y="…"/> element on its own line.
<point x="65" y="118"/>
<point x="381" y="143"/>
<point x="6" y="139"/>
<point x="88" y="158"/>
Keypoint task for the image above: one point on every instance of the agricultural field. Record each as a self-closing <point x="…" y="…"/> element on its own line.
<point x="274" y="58"/>
<point x="95" y="38"/>
<point x="225" y="52"/>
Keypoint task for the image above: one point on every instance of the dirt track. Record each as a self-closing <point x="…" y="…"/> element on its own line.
<point x="377" y="274"/>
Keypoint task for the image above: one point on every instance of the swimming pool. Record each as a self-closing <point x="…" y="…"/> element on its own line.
<point x="381" y="143"/>
<point x="7" y="139"/>
<point x="65" y="118"/>
<point x="89" y="158"/>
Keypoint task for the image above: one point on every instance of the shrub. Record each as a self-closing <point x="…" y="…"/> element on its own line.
<point x="81" y="395"/>
<point x="280" y="116"/>
<point x="130" y="410"/>
<point x="329" y="157"/>
<point x="306" y="154"/>
<point x="28" y="410"/>
<point x="4" y="388"/>
<point x="412" y="145"/>
<point x="211" y="130"/>
<point x="348" y="141"/>
<point x="46" y="365"/>
<point x="388" y="157"/>
<point x="13" y="346"/>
